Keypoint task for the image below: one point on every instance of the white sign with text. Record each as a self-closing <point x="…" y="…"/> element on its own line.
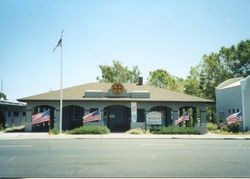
<point x="154" y="118"/>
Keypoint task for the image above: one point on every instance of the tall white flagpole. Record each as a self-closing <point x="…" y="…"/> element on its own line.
<point x="61" y="91"/>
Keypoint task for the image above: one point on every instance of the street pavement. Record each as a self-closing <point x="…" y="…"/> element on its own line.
<point x="124" y="158"/>
<point x="44" y="135"/>
<point x="26" y="154"/>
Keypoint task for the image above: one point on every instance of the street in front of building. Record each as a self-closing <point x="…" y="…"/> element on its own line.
<point x="125" y="158"/>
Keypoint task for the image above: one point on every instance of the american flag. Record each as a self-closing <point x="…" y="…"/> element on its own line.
<point x="58" y="44"/>
<point x="183" y="118"/>
<point x="94" y="116"/>
<point x="41" y="117"/>
<point x="236" y="117"/>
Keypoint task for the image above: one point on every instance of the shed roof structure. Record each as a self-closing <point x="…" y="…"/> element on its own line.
<point x="229" y="83"/>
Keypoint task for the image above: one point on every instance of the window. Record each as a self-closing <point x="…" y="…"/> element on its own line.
<point x="233" y="110"/>
<point x="238" y="110"/>
<point x="24" y="113"/>
<point x="9" y="114"/>
<point x="140" y="115"/>
<point x="229" y="111"/>
<point x="15" y="114"/>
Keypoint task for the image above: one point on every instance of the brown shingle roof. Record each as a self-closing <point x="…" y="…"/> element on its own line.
<point x="77" y="93"/>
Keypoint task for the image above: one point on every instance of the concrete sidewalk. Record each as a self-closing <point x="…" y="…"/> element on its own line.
<point x="29" y="135"/>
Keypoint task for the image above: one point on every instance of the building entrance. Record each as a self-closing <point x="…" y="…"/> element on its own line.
<point x="2" y="119"/>
<point x="118" y="118"/>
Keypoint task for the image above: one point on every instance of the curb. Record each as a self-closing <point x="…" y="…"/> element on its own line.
<point x="46" y="136"/>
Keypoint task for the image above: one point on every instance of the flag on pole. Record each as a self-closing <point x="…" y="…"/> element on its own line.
<point x="234" y="118"/>
<point x="58" y="44"/>
<point x="41" y="117"/>
<point x="183" y="118"/>
<point x="94" y="116"/>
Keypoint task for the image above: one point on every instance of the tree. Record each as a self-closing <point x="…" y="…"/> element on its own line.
<point x="227" y="63"/>
<point x="213" y="71"/>
<point x="192" y="82"/>
<point x="216" y="68"/>
<point x="3" y="96"/>
<point x="237" y="59"/>
<point x="162" y="79"/>
<point x="118" y="73"/>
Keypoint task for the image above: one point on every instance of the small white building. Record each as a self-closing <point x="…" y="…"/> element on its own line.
<point x="12" y="113"/>
<point x="232" y="96"/>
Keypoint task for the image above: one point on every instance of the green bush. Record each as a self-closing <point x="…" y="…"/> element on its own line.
<point x="176" y="130"/>
<point x="90" y="129"/>
<point x="155" y="129"/>
<point x="225" y="128"/>
<point x="212" y="126"/>
<point x="235" y="128"/>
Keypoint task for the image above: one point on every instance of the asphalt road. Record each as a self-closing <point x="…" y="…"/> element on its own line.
<point x="125" y="158"/>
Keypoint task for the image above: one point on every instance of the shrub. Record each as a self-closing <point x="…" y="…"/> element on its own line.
<point x="212" y="126"/>
<point x="235" y="128"/>
<point x="155" y="128"/>
<point x="90" y="129"/>
<point x="177" y="130"/>
<point x="225" y="128"/>
<point x="54" y="131"/>
<point x="1" y="128"/>
<point x="15" y="129"/>
<point x="136" y="131"/>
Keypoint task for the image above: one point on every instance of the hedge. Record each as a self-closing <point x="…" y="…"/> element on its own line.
<point x="176" y="130"/>
<point x="211" y="126"/>
<point x="137" y="131"/>
<point x="90" y="129"/>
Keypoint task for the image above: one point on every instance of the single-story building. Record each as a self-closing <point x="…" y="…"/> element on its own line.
<point x="122" y="106"/>
<point x="12" y="113"/>
<point x="233" y="95"/>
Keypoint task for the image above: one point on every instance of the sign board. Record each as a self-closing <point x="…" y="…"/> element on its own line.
<point x="133" y="112"/>
<point x="154" y="118"/>
<point x="111" y="116"/>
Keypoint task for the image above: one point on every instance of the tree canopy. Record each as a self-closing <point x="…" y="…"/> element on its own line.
<point x="162" y="79"/>
<point x="202" y="80"/>
<point x="118" y="73"/>
<point x="219" y="66"/>
<point x="214" y="68"/>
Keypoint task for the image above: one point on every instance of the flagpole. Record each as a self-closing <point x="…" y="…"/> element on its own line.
<point x="61" y="91"/>
<point x="243" y="88"/>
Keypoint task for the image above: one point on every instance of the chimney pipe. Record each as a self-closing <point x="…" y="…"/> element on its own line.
<point x="140" y="82"/>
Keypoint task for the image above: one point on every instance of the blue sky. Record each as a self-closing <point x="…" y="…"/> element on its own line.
<point x="153" y="34"/>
